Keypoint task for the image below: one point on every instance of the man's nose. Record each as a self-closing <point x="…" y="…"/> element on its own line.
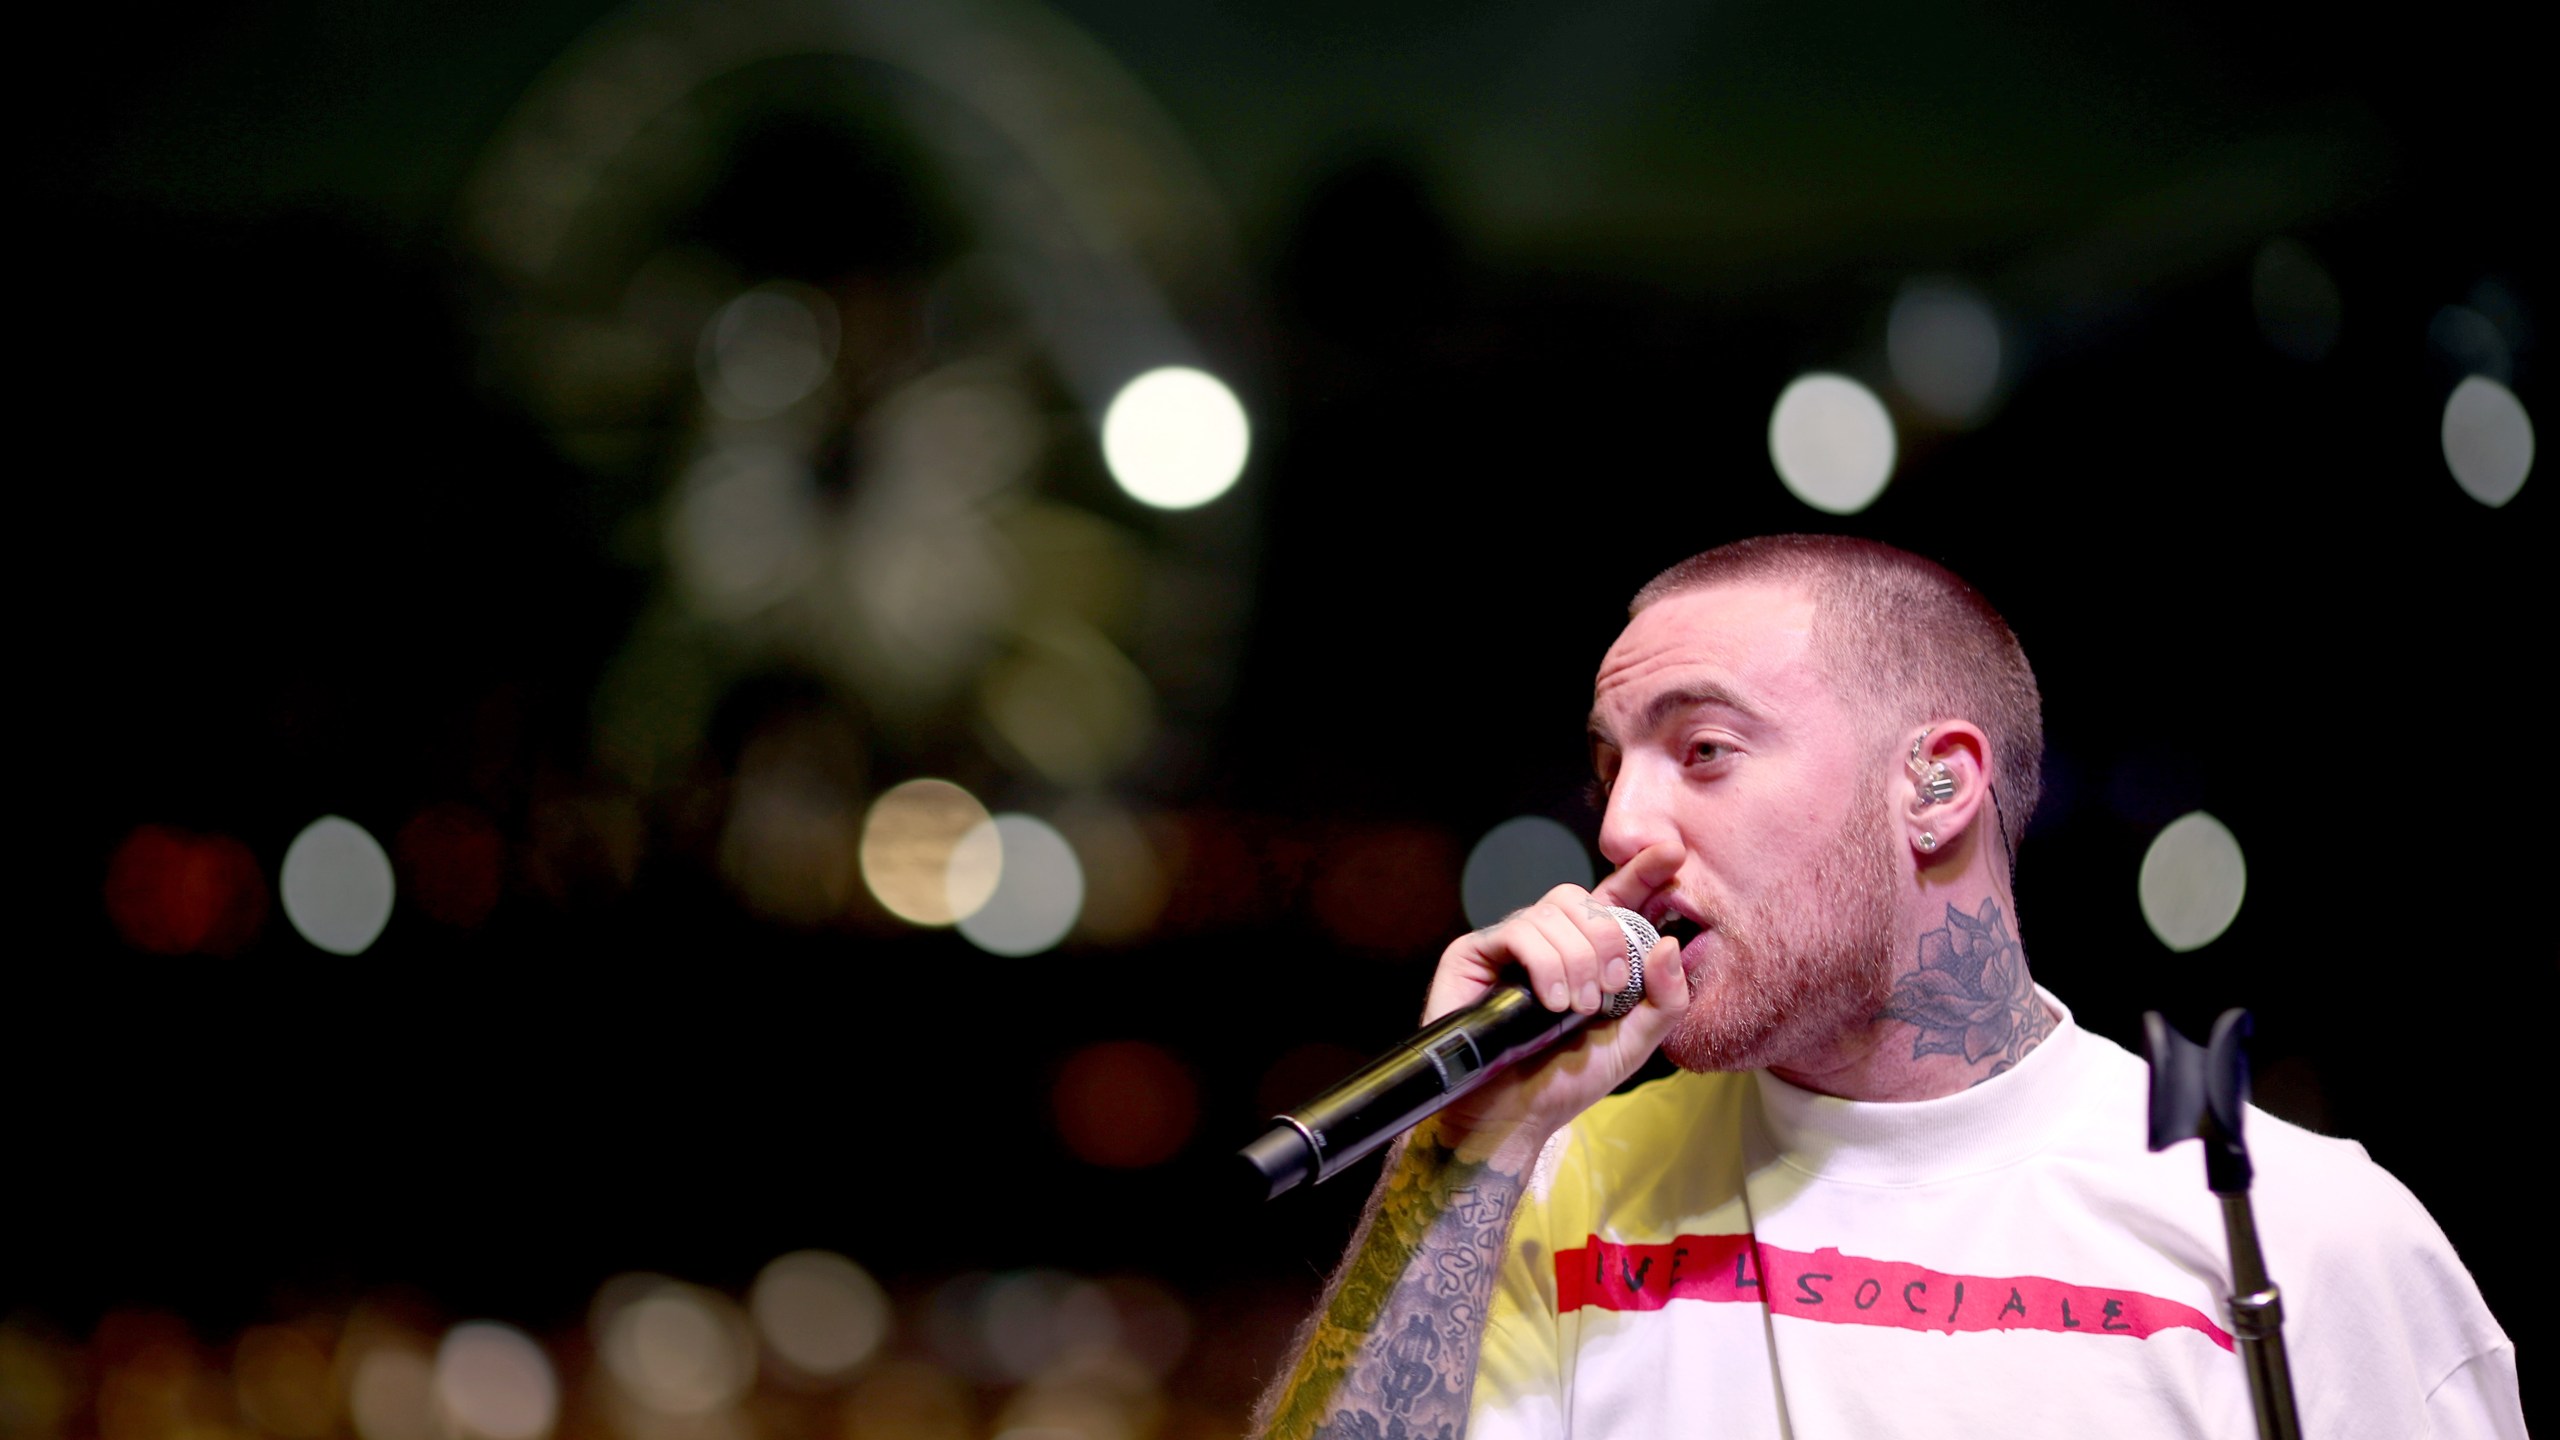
<point x="1635" y="816"/>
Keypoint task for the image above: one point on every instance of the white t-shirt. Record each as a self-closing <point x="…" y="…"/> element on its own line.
<point x="1728" y="1255"/>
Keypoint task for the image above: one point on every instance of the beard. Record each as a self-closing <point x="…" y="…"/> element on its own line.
<point x="1802" y="964"/>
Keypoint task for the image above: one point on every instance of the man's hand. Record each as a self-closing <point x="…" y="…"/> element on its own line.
<point x="1572" y="953"/>
<point x="1392" y="1349"/>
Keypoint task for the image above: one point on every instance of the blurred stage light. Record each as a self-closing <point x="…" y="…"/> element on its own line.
<point x="1091" y="1393"/>
<point x="1832" y="442"/>
<point x="2470" y="343"/>
<point x="1027" y="1321"/>
<point x="909" y="844"/>
<point x="1039" y="888"/>
<point x="1154" y="1323"/>
<point x="1516" y="862"/>
<point x="2192" y="881"/>
<point x="1124" y="877"/>
<point x="1125" y="1104"/>
<point x="173" y="893"/>
<point x="903" y="1399"/>
<point x="38" y="1388"/>
<point x="740" y="529"/>
<point x="454" y="862"/>
<point x="2296" y="302"/>
<point x="2488" y="440"/>
<point x="1069" y="703"/>
<point x="392" y="1395"/>
<point x="337" y="885"/>
<point x="493" y="1382"/>
<point x="1943" y="342"/>
<point x="678" y="1349"/>
<point x="820" y="1314"/>
<point x="1386" y="890"/>
<point x="281" y="1375"/>
<point x="767" y="350"/>
<point x="1175" y="438"/>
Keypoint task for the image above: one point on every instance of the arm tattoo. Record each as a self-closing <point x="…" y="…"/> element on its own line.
<point x="1391" y="1351"/>
<point x="1971" y="995"/>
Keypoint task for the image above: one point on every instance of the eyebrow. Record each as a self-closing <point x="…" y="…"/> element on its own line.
<point x="1669" y="703"/>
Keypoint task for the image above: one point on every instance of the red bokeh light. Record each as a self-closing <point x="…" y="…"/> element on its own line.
<point x="1125" y="1104"/>
<point x="175" y="893"/>
<point x="452" y="864"/>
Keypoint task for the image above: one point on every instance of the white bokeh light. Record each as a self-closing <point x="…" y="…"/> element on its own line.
<point x="741" y="530"/>
<point x="336" y="885"/>
<point x="1832" y="442"/>
<point x="1943" y="342"/>
<point x="677" y="1349"/>
<point x="392" y="1395"/>
<point x="1175" y="438"/>
<point x="820" y="1313"/>
<point x="2488" y="440"/>
<point x="493" y="1381"/>
<point x="1039" y="888"/>
<point x="2192" y="881"/>
<point x="1516" y="862"/>
<point x="766" y="350"/>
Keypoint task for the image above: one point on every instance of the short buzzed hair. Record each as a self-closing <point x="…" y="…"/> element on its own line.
<point x="1905" y="640"/>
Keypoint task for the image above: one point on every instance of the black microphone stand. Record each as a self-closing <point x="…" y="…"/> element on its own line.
<point x="2199" y="1092"/>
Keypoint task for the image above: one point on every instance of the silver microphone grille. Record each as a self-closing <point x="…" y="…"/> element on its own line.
<point x="1641" y="938"/>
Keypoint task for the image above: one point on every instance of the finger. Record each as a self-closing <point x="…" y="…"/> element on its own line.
<point x="1645" y="876"/>
<point x="1577" y="985"/>
<point x="1666" y="995"/>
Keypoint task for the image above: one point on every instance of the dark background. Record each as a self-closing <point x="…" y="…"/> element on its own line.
<point x="1514" y="291"/>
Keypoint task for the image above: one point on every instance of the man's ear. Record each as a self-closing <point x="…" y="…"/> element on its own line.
<point x="1948" y="769"/>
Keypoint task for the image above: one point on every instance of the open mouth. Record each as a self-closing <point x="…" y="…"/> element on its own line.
<point x="1672" y="925"/>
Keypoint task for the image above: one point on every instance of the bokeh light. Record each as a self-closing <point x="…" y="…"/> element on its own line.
<point x="2470" y="343"/>
<point x="910" y="1399"/>
<point x="337" y="885"/>
<point x="1388" y="890"/>
<point x="38" y="1391"/>
<point x="1124" y="876"/>
<point x="677" y="1349"/>
<point x="2192" y="881"/>
<point x="1068" y="703"/>
<point x="1516" y="862"/>
<point x="909" y="840"/>
<point x="2488" y="440"/>
<point x="1175" y="438"/>
<point x="2297" y="305"/>
<point x="452" y="864"/>
<point x="391" y="1395"/>
<point x="494" y="1382"/>
<point x="1039" y="888"/>
<point x="1125" y="1104"/>
<point x="175" y="893"/>
<point x="1943" y="341"/>
<point x="1030" y="1319"/>
<point x="281" y="1375"/>
<point x="741" y="529"/>
<point x="767" y="350"/>
<point x="1832" y="443"/>
<point x="820" y="1314"/>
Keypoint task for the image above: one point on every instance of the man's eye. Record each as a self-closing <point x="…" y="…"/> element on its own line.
<point x="1708" y="751"/>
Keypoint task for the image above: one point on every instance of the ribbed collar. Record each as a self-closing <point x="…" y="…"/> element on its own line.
<point x="1917" y="1142"/>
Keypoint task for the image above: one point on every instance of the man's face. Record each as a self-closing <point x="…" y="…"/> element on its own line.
<point x="1715" y="729"/>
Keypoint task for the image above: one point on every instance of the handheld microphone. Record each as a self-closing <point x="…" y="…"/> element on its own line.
<point x="1453" y="1055"/>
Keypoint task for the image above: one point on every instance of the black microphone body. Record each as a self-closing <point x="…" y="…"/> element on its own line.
<point x="1451" y="1056"/>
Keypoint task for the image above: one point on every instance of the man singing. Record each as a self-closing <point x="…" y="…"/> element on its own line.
<point x="1895" y="1190"/>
